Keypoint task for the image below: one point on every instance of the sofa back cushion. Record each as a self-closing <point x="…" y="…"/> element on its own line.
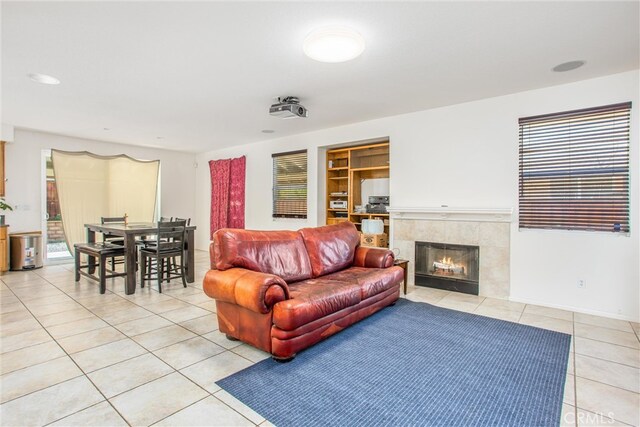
<point x="282" y="253"/>
<point x="331" y="248"/>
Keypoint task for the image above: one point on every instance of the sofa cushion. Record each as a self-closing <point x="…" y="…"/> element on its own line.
<point x="331" y="248"/>
<point x="371" y="281"/>
<point x="282" y="253"/>
<point x="314" y="299"/>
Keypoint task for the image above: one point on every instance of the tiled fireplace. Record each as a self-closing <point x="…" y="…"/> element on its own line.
<point x="487" y="229"/>
<point x="446" y="266"/>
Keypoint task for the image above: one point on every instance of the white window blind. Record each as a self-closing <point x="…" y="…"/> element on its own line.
<point x="290" y="184"/>
<point x="574" y="170"/>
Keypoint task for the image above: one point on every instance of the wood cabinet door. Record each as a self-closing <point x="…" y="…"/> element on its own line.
<point x="4" y="249"/>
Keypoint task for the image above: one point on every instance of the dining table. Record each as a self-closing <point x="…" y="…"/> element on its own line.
<point x="130" y="232"/>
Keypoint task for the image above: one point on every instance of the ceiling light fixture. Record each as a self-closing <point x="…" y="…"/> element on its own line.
<point x="568" y="66"/>
<point x="267" y="131"/>
<point x="333" y="44"/>
<point x="43" y="78"/>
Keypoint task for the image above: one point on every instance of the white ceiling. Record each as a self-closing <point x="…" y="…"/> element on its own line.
<point x="202" y="75"/>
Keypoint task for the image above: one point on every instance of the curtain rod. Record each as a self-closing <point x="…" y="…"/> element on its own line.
<point x="98" y="156"/>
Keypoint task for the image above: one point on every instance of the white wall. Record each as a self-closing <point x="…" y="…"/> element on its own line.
<point x="24" y="176"/>
<point x="466" y="155"/>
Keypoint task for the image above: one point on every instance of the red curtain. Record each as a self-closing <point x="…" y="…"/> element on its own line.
<point x="227" y="193"/>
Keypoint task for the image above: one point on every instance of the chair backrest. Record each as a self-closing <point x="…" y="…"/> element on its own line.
<point x="165" y="219"/>
<point x="171" y="236"/>
<point x="188" y="220"/>
<point x="112" y="220"/>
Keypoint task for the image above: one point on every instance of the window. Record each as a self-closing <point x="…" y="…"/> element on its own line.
<point x="290" y="185"/>
<point x="574" y="170"/>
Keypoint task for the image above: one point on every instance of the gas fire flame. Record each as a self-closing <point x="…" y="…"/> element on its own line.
<point x="447" y="266"/>
<point x="447" y="260"/>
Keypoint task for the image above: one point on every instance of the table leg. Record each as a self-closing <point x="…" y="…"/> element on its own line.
<point x="91" y="261"/>
<point x="405" y="280"/>
<point x="191" y="262"/>
<point x="130" y="262"/>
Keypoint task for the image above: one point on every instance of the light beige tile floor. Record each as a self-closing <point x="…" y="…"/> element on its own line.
<point x="70" y="356"/>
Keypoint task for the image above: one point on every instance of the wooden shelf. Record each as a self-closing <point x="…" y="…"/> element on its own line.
<point x="358" y="163"/>
<point x="373" y="168"/>
<point x="367" y="214"/>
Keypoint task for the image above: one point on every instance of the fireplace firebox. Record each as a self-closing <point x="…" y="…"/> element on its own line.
<point x="449" y="267"/>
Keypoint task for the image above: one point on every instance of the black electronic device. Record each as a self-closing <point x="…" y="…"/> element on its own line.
<point x="378" y="204"/>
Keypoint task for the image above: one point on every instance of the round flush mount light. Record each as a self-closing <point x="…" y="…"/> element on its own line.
<point x="568" y="66"/>
<point x="333" y="44"/>
<point x="43" y="78"/>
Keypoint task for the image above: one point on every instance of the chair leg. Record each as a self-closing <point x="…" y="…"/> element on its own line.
<point x="113" y="263"/>
<point x="160" y="264"/>
<point x="91" y="263"/>
<point x="143" y="270"/>
<point x="103" y="272"/>
<point x="77" y="263"/>
<point x="182" y="272"/>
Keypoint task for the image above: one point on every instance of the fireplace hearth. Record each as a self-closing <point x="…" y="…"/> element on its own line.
<point x="448" y="267"/>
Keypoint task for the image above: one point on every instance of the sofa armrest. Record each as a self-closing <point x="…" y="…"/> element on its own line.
<point x="373" y="257"/>
<point x="252" y="290"/>
<point x="212" y="255"/>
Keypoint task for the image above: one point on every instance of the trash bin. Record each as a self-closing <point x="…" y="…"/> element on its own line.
<point x="26" y="250"/>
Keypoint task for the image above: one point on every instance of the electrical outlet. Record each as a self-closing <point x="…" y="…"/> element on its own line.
<point x="581" y="283"/>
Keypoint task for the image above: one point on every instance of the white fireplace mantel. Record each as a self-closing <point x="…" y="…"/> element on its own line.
<point x="446" y="213"/>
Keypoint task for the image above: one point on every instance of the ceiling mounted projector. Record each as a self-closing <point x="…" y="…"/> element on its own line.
<point x="288" y="108"/>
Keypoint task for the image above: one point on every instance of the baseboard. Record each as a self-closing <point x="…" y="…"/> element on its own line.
<point x="576" y="309"/>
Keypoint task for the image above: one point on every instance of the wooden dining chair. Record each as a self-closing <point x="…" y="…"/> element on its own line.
<point x="116" y="240"/>
<point x="170" y="245"/>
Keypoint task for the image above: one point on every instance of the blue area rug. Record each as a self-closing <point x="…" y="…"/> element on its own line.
<point x="415" y="364"/>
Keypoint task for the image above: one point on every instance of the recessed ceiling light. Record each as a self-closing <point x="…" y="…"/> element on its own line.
<point x="568" y="66"/>
<point x="267" y="131"/>
<point x="43" y="78"/>
<point x="333" y="44"/>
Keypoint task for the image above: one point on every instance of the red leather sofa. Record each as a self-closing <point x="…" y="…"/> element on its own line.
<point x="283" y="291"/>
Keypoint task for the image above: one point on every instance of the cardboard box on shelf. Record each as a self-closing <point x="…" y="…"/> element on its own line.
<point x="375" y="240"/>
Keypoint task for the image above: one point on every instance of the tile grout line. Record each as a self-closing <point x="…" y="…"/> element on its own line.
<point x="607" y="360"/>
<point x="160" y="315"/>
<point x="606" y="327"/>
<point x="197" y="334"/>
<point x="79" y="368"/>
<point x="608" y="342"/>
<point x="637" y="333"/>
<point x="84" y="409"/>
<point x="146" y="349"/>
<point x="232" y="350"/>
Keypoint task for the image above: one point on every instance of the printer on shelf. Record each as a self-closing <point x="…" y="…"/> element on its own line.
<point x="378" y="204"/>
